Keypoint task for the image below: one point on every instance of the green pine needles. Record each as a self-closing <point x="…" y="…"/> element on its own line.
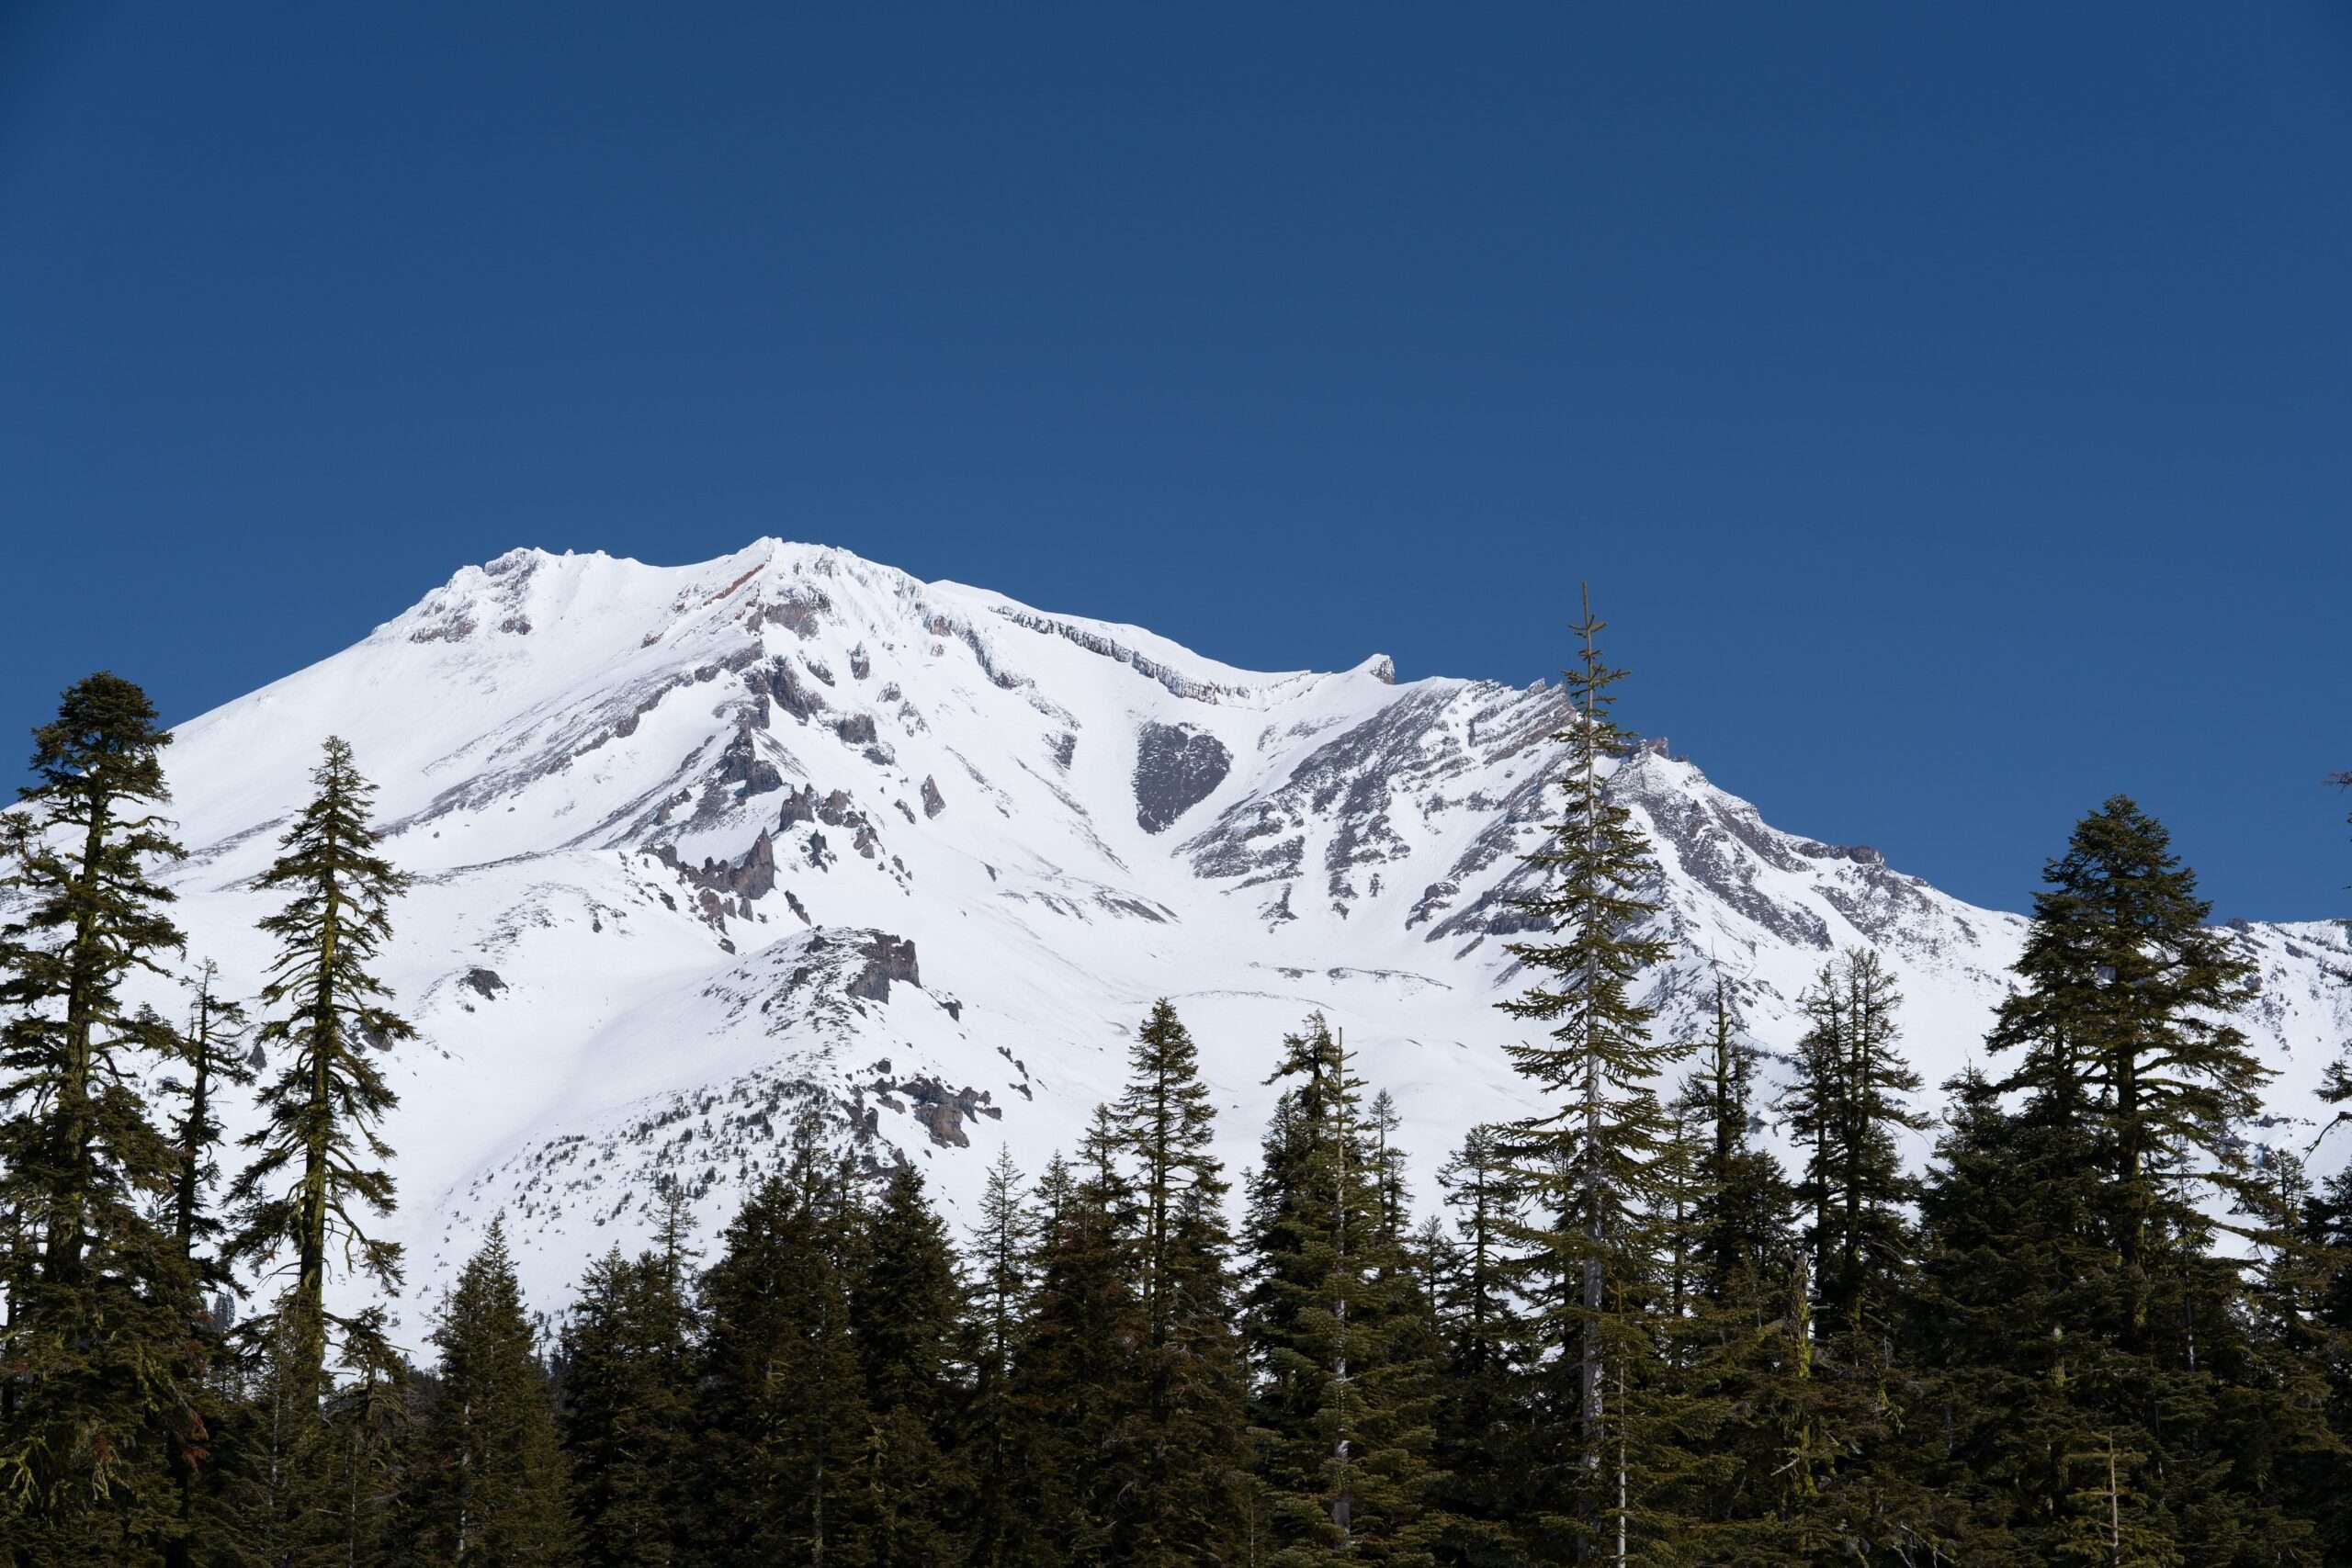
<point x="318" y="1178"/>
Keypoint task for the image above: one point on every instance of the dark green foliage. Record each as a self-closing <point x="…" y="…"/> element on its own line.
<point x="312" y="1187"/>
<point x="486" y="1478"/>
<point x="994" y="1440"/>
<point x="98" y="1363"/>
<point x="905" y="1310"/>
<point x="626" y="1417"/>
<point x="210" y="1058"/>
<point x="2104" y="1369"/>
<point x="1482" y="1425"/>
<point x="1341" y="1330"/>
<point x="1076" y="1375"/>
<point x="1179" y="1452"/>
<point x="1597" y="1164"/>
<point x="780" y="1406"/>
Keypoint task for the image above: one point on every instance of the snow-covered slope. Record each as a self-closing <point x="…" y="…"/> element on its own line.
<point x="695" y="848"/>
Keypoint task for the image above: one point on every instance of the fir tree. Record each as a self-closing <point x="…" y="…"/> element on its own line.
<point x="998" y="1303"/>
<point x="312" y="1190"/>
<point x="1184" y="1448"/>
<point x="1076" y="1382"/>
<point x="490" y="1484"/>
<point x="904" y="1306"/>
<point x="97" y="1367"/>
<point x="1594" y="1161"/>
<point x="780" y="1404"/>
<point x="209" y="1056"/>
<point x="1342" y="1340"/>
<point x="1483" y="1426"/>
<point x="626" y="1416"/>
<point x="2125" y="1025"/>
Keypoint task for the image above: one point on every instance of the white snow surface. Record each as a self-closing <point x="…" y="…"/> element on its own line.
<point x="561" y="743"/>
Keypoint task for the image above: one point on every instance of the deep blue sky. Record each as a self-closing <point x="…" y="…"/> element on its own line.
<point x="1952" y="406"/>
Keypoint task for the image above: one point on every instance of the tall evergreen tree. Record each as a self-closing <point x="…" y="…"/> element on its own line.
<point x="1185" y="1446"/>
<point x="2102" y="1345"/>
<point x="1341" y="1337"/>
<point x="1483" y="1428"/>
<point x="905" y="1308"/>
<point x="993" y="1436"/>
<point x="315" y="1182"/>
<point x="781" y="1401"/>
<point x="1076" y="1380"/>
<point x="490" y="1484"/>
<point x="312" y="1190"/>
<point x="1595" y="1160"/>
<point x="2125" y="1023"/>
<point x="1849" y="1103"/>
<point x="209" y="1057"/>
<point x="626" y="1414"/>
<point x="97" y="1365"/>
<point x="1743" y="1332"/>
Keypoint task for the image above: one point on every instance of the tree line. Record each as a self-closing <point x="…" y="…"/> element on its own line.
<point x="2102" y="1326"/>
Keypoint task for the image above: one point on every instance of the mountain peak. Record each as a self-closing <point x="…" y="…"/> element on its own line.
<point x="662" y="820"/>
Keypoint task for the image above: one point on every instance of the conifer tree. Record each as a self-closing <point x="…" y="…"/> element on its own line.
<point x="1742" y="1331"/>
<point x="626" y="1414"/>
<point x="2083" y="1311"/>
<point x="780" y="1404"/>
<point x="1847" y="1104"/>
<point x="491" y="1485"/>
<point x="1483" y="1427"/>
<point x="1184" y="1449"/>
<point x="315" y="1183"/>
<point x="97" y="1365"/>
<point x="312" y="1190"/>
<point x="904" y="1306"/>
<point x="1076" y="1384"/>
<point x="1594" y="1160"/>
<point x="210" y="1057"/>
<point x="993" y="1439"/>
<point x="2125" y="1021"/>
<point x="1342" y="1339"/>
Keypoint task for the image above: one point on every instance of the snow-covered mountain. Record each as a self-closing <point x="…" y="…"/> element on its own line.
<point x="697" y="847"/>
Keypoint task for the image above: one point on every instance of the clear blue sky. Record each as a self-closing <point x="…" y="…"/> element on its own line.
<point x="1951" y="405"/>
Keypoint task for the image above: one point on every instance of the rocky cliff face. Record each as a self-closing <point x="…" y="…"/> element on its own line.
<point x="702" y="850"/>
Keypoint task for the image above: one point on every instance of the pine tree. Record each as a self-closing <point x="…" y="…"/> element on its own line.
<point x="1076" y="1382"/>
<point x="97" y="1367"/>
<point x="626" y="1414"/>
<point x="309" y="1189"/>
<point x="992" y="1436"/>
<point x="1743" y="1332"/>
<point x="209" y="1057"/>
<point x="491" y="1489"/>
<point x="1595" y="1161"/>
<point x="904" y="1306"/>
<point x="1849" y="1103"/>
<point x="2126" y="1017"/>
<point x="1483" y="1426"/>
<point x="1343" y="1338"/>
<point x="2324" y="1310"/>
<point x="2080" y="1307"/>
<point x="780" y="1404"/>
<point x="1184" y="1449"/>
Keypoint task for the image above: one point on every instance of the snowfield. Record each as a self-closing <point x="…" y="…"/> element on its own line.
<point x="698" y="848"/>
